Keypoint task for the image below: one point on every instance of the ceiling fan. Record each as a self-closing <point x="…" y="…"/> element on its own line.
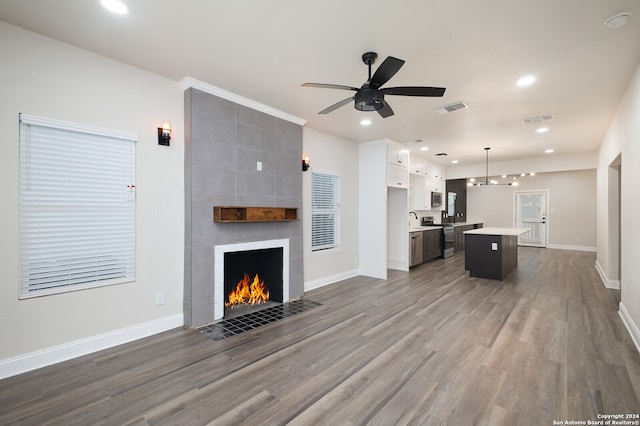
<point x="370" y="97"/>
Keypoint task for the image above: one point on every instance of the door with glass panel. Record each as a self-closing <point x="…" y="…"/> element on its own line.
<point x="531" y="213"/>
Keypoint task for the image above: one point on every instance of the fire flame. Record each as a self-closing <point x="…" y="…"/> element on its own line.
<point x="245" y="293"/>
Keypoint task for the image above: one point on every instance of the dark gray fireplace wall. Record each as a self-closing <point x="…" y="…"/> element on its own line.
<point x="224" y="142"/>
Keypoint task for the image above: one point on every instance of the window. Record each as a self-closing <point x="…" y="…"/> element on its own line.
<point x="325" y="211"/>
<point x="76" y="206"/>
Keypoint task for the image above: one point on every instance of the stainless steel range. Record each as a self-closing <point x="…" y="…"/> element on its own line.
<point x="447" y="235"/>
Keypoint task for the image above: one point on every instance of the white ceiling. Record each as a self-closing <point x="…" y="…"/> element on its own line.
<point x="265" y="50"/>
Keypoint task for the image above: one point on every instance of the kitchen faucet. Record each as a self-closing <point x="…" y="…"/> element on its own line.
<point x="414" y="213"/>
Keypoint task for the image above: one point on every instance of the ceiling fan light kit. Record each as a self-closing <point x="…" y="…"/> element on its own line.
<point x="370" y="96"/>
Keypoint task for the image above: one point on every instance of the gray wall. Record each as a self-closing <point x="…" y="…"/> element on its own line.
<point x="223" y="143"/>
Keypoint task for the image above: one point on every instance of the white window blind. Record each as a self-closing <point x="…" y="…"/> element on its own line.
<point x="76" y="206"/>
<point x="325" y="211"/>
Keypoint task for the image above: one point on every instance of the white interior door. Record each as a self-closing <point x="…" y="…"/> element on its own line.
<point x="531" y="213"/>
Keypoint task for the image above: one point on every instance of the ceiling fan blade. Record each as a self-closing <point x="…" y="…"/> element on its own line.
<point x="385" y="71"/>
<point x="329" y="86"/>
<point x="414" y="91"/>
<point x="385" y="111"/>
<point x="336" y="105"/>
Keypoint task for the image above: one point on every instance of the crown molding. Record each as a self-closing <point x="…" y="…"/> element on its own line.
<point x="190" y="82"/>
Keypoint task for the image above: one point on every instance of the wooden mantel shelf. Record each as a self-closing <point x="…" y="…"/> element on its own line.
<point x="254" y="214"/>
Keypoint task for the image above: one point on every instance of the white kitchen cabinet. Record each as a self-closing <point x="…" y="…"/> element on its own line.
<point x="398" y="155"/>
<point x="397" y="176"/>
<point x="433" y="180"/>
<point x="417" y="165"/>
<point x="397" y="166"/>
<point x="420" y="197"/>
<point x="437" y="172"/>
<point x="436" y="185"/>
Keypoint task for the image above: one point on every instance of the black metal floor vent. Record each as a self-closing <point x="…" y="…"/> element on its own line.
<point x="242" y="323"/>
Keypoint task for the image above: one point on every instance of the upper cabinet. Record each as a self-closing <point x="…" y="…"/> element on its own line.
<point x="398" y="155"/>
<point x="397" y="176"/>
<point x="397" y="166"/>
<point x="426" y="177"/>
<point x="436" y="185"/>
<point x="437" y="172"/>
<point x="417" y="165"/>
<point x="420" y="195"/>
<point x="422" y="167"/>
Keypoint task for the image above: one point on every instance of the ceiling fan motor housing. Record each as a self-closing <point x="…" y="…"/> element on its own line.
<point x="370" y="97"/>
<point x="369" y="100"/>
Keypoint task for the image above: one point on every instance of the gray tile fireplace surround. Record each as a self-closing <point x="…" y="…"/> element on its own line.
<point x="223" y="143"/>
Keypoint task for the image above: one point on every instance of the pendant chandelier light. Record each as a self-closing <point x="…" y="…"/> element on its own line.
<point x="486" y="176"/>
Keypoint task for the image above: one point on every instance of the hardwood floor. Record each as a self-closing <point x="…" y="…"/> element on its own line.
<point x="431" y="346"/>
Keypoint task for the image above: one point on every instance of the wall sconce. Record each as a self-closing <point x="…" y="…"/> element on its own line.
<point x="305" y="164"/>
<point x="164" y="134"/>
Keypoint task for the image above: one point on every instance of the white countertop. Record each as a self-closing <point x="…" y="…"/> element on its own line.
<point x="498" y="231"/>
<point x="424" y="228"/>
<point x="468" y="222"/>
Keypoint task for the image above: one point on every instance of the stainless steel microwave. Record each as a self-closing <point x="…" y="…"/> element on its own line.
<point x="436" y="199"/>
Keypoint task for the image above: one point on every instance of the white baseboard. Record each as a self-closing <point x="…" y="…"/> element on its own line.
<point x="613" y="284"/>
<point x="321" y="282"/>
<point x="34" y="360"/>
<point x="577" y="248"/>
<point x="631" y="326"/>
<point x="397" y="263"/>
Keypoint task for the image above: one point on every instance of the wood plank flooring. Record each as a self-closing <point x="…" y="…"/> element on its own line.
<point x="431" y="346"/>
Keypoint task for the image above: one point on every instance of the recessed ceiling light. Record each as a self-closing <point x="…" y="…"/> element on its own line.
<point x="115" y="6"/>
<point x="526" y="81"/>
<point x="454" y="161"/>
<point x="618" y="20"/>
<point x="424" y="148"/>
<point x="365" y="122"/>
<point x="548" y="151"/>
<point x="542" y="130"/>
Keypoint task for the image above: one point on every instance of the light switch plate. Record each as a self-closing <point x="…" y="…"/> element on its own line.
<point x="494" y="246"/>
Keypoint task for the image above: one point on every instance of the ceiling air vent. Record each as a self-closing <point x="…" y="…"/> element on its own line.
<point x="538" y="119"/>
<point x="451" y="107"/>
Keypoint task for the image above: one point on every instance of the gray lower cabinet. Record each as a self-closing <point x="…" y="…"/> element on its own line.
<point x="458" y="235"/>
<point x="432" y="244"/>
<point x="424" y="246"/>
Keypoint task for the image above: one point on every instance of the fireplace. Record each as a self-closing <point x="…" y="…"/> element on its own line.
<point x="250" y="276"/>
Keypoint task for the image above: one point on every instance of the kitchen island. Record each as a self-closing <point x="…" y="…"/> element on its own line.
<point x="491" y="252"/>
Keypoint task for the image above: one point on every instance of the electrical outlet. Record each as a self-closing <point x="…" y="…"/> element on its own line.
<point x="160" y="298"/>
<point x="259" y="166"/>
